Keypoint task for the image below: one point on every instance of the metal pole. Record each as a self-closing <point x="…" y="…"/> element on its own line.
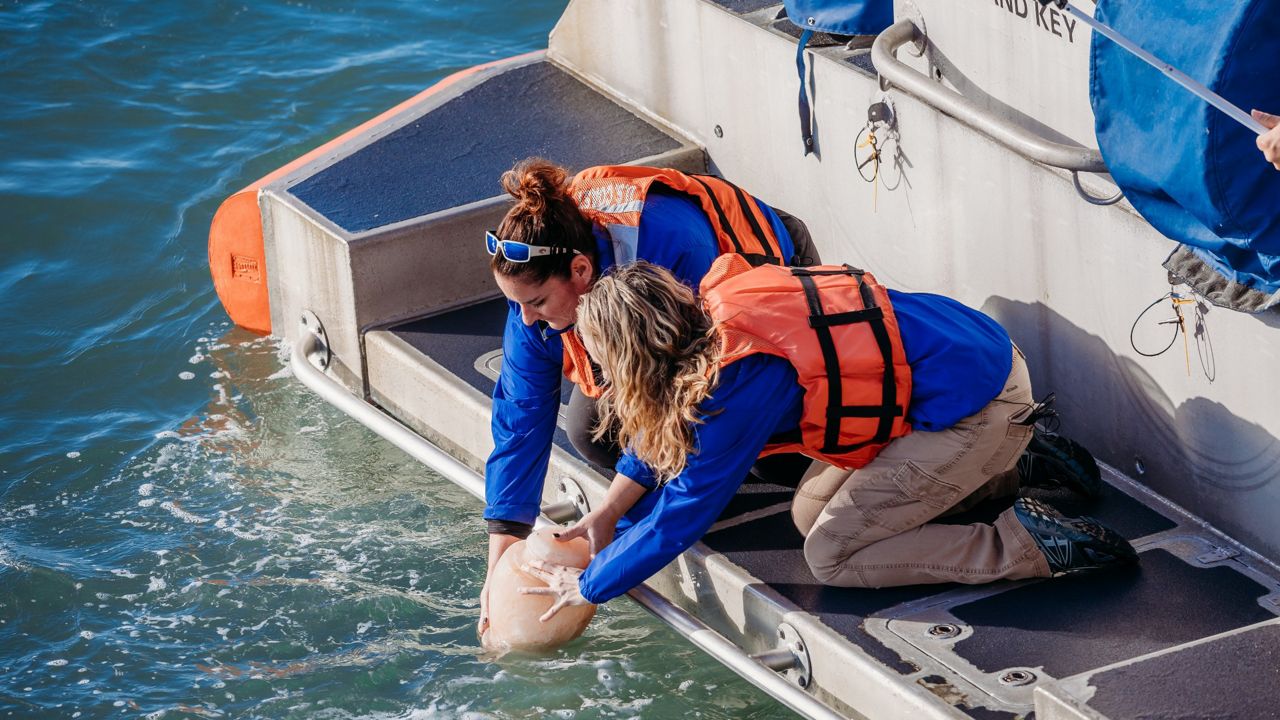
<point x="1022" y="141"/>
<point x="1173" y="73"/>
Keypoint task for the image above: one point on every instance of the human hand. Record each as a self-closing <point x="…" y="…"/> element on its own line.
<point x="498" y="544"/>
<point x="562" y="584"/>
<point x="598" y="526"/>
<point x="1269" y="142"/>
<point x="483" y="625"/>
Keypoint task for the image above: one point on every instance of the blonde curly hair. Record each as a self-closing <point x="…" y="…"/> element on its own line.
<point x="660" y="353"/>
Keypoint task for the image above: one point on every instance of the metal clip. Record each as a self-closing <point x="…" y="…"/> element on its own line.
<point x="1216" y="554"/>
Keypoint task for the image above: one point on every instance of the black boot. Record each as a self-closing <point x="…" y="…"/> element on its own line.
<point x="1072" y="545"/>
<point x="1053" y="461"/>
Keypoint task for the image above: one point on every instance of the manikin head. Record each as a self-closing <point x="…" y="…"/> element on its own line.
<point x="546" y="287"/>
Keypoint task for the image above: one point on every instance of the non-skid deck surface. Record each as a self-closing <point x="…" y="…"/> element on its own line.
<point x="436" y="161"/>
<point x="1065" y="626"/>
<point x="1237" y="676"/>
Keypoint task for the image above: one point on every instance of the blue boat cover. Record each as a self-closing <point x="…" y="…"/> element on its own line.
<point x="1193" y="172"/>
<point x="841" y="17"/>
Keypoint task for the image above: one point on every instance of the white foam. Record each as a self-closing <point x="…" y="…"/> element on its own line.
<point x="181" y="514"/>
<point x="56" y="663"/>
<point x="196" y="359"/>
<point x="87" y="634"/>
<point x="145" y="489"/>
<point x="121" y="572"/>
<point x="156" y="584"/>
<point x="73" y="454"/>
<point x="186" y="375"/>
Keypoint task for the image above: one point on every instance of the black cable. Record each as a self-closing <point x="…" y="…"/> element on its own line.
<point x="1133" y="328"/>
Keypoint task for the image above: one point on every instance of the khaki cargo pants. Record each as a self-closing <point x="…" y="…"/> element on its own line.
<point x="872" y="527"/>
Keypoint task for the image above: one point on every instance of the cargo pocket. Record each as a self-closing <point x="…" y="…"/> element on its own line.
<point x="1016" y="439"/>
<point x="915" y="497"/>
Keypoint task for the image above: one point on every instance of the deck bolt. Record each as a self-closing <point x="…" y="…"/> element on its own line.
<point x="1017" y="677"/>
<point x="719" y="131"/>
<point x="812" y="21"/>
<point x="944" y="630"/>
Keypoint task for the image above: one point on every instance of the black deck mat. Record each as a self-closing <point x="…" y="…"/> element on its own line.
<point x="455" y="339"/>
<point x="1069" y="625"/>
<point x="436" y="162"/>
<point x="1232" y="677"/>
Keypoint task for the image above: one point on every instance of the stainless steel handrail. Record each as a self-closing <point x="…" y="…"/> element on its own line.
<point x="1014" y="137"/>
<point x="682" y="622"/>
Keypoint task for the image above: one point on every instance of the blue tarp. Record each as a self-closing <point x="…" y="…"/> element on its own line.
<point x="1194" y="173"/>
<point x="841" y="17"/>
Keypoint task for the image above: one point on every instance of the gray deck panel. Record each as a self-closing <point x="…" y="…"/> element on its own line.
<point x="1069" y="625"/>
<point x="1237" y="676"/>
<point x="537" y="109"/>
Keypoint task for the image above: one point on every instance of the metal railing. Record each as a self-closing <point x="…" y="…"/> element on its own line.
<point x="1022" y="141"/>
<point x="309" y="346"/>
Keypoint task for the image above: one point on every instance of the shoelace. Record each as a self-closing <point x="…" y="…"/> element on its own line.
<point x="1044" y="415"/>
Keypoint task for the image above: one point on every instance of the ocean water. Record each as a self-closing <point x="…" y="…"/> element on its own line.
<point x="185" y="531"/>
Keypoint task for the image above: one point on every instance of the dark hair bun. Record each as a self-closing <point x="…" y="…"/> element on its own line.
<point x="535" y="183"/>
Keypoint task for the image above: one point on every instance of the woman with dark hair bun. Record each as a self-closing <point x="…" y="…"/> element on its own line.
<point x="558" y="238"/>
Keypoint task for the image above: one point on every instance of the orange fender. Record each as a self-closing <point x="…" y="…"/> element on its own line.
<point x="237" y="256"/>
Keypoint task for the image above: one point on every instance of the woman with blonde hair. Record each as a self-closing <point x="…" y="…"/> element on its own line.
<point x="915" y="404"/>
<point x="560" y="234"/>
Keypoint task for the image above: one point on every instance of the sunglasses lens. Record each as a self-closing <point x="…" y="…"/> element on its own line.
<point x="491" y="242"/>
<point x="515" y="251"/>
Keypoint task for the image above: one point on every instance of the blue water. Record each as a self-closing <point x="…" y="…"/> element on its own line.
<point x="184" y="530"/>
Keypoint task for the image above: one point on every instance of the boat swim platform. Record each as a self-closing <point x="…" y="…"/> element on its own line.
<point x="1101" y="645"/>
<point x="374" y="245"/>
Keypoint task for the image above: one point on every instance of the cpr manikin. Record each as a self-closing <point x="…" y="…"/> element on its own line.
<point x="514" y="623"/>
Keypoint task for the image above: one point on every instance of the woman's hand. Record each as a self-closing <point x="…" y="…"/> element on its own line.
<point x="1269" y="142"/>
<point x="562" y="584"/>
<point x="598" y="526"/>
<point x="483" y="625"/>
<point x="498" y="544"/>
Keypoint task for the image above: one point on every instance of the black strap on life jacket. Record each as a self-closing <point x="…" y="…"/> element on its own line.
<point x="821" y="322"/>
<point x="770" y="256"/>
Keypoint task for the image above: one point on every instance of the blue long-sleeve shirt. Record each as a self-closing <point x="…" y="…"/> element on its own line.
<point x="959" y="361"/>
<point x="674" y="232"/>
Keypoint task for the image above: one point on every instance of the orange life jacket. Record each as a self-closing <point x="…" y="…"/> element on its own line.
<point x="835" y="325"/>
<point x="613" y="196"/>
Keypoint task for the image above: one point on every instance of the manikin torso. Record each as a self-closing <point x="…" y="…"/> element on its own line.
<point x="513" y="617"/>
